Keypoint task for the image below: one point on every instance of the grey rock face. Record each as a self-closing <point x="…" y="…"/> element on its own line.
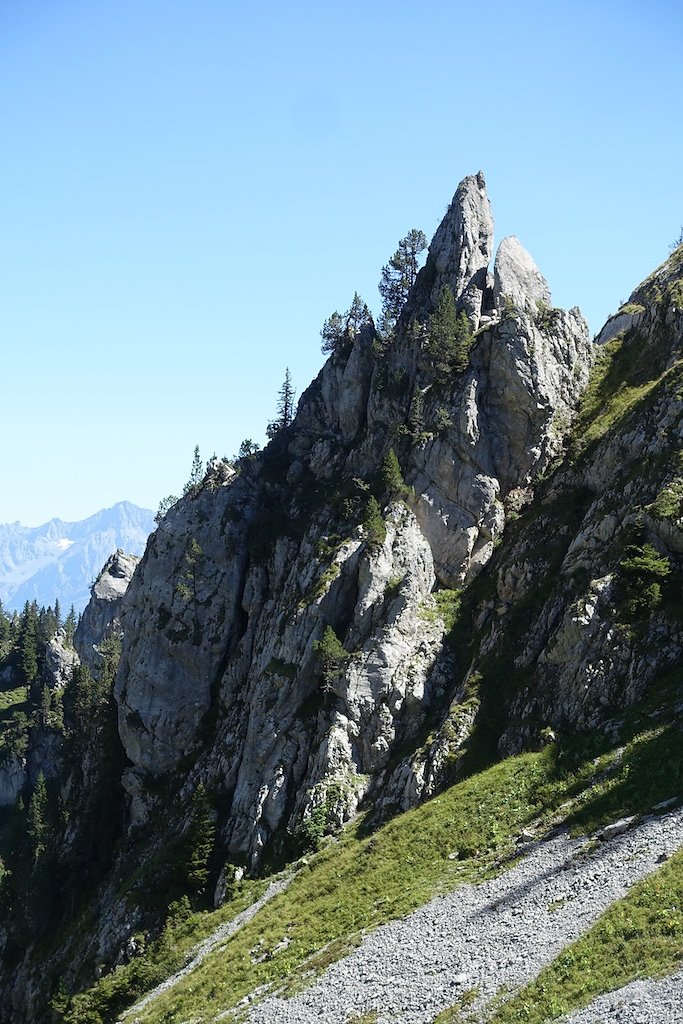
<point x="60" y="660"/>
<point x="102" y="616"/>
<point x="574" y="658"/>
<point x="181" y="614"/>
<point x="13" y="775"/>
<point x="510" y="413"/>
<point x="224" y="613"/>
<point x="517" y="279"/>
<point x="463" y="246"/>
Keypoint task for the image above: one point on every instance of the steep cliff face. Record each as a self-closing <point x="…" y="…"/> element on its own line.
<point x="580" y="615"/>
<point x="435" y="565"/>
<point x="221" y="665"/>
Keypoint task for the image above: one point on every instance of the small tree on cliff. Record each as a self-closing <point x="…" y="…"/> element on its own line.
<point x="285" y="407"/>
<point x="449" y="338"/>
<point x="194" y="484"/>
<point x="398" y="277"/>
<point x="199" y="842"/>
<point x="340" y="330"/>
<point x="392" y="478"/>
<point x="331" y="654"/>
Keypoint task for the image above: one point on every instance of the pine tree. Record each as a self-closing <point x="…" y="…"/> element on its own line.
<point x="340" y="330"/>
<point x="29" y="642"/>
<point x="331" y="654"/>
<point x="416" y="414"/>
<point x="37" y="871"/>
<point x="5" y="633"/>
<point x="193" y="485"/>
<point x="188" y="581"/>
<point x="164" y="505"/>
<point x="37" y="820"/>
<point x="247" y="450"/>
<point x="373" y="524"/>
<point x="199" y="841"/>
<point x="80" y="697"/>
<point x="392" y="478"/>
<point x="448" y="339"/>
<point x="398" y="277"/>
<point x="332" y="333"/>
<point x="285" y="407"/>
<point x="70" y="625"/>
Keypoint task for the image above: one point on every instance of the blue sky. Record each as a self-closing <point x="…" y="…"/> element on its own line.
<point x="188" y="190"/>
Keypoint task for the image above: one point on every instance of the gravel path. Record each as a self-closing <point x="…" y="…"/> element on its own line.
<point x="483" y="937"/>
<point x="641" y="1002"/>
<point x="209" y="944"/>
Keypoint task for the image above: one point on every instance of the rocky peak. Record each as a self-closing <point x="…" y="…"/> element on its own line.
<point x="463" y="246"/>
<point x="235" y="593"/>
<point x="517" y="279"/>
<point x="102" y="616"/>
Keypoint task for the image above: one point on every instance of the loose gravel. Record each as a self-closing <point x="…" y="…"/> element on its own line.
<point x="641" y="1002"/>
<point x="489" y="938"/>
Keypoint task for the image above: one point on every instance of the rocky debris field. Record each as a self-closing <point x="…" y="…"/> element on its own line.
<point x="642" y="1002"/>
<point x="495" y="936"/>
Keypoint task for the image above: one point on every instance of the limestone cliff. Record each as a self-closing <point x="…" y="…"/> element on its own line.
<point x="579" y="617"/>
<point x="433" y="566"/>
<point x="219" y="670"/>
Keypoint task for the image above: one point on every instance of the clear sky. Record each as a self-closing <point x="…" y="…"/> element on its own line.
<point x="187" y="190"/>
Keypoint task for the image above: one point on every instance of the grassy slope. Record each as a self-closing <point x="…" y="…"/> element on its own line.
<point x="361" y="881"/>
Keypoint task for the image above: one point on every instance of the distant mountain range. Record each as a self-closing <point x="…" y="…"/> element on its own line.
<point x="61" y="560"/>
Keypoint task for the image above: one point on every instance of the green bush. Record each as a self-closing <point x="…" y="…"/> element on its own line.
<point x="641" y="570"/>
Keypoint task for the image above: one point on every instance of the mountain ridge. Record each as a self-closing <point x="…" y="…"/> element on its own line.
<point x="59" y="559"/>
<point x="436" y="621"/>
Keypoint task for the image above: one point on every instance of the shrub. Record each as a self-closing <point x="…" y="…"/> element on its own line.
<point x="641" y="571"/>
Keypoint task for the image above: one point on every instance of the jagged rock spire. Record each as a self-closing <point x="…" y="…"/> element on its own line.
<point x="463" y="245"/>
<point x="517" y="279"/>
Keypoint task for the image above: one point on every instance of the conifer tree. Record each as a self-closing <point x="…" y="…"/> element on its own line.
<point x="5" y="633"/>
<point x="37" y="820"/>
<point x="340" y="330"/>
<point x="188" y="581"/>
<point x="448" y="338"/>
<point x="373" y="524"/>
<point x="285" y="407"/>
<point x="331" y="654"/>
<point x="193" y="485"/>
<point x="29" y="642"/>
<point x="200" y="839"/>
<point x="164" y="505"/>
<point x="70" y="625"/>
<point x="398" y="277"/>
<point x="392" y="478"/>
<point x="416" y="414"/>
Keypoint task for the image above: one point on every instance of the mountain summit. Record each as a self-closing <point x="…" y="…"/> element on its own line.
<point x="60" y="560"/>
<point x="453" y="574"/>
